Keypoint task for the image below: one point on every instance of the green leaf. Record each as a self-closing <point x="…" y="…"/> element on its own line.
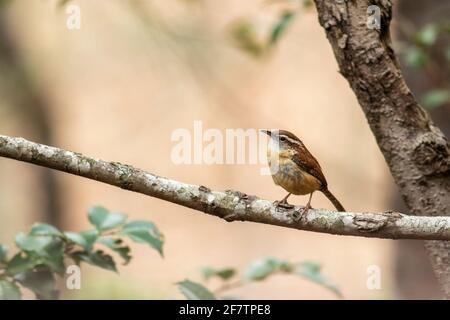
<point x="415" y="57"/>
<point x="53" y="256"/>
<point x="311" y="271"/>
<point x="117" y="246"/>
<point x="32" y="243"/>
<point x="144" y="232"/>
<point x="97" y="258"/>
<point x="310" y="266"/>
<point x="245" y="37"/>
<point x="20" y="263"/>
<point x="195" y="291"/>
<point x="103" y="260"/>
<point x="9" y="291"/>
<point x="286" y="267"/>
<point x="77" y="238"/>
<point x="77" y="256"/>
<point x="42" y="229"/>
<point x="428" y="34"/>
<point x="102" y="219"/>
<point x="84" y="239"/>
<point x="224" y="274"/>
<point x="280" y="26"/>
<point x="436" y="98"/>
<point x="261" y="269"/>
<point x="3" y="253"/>
<point x="45" y="249"/>
<point x="41" y="282"/>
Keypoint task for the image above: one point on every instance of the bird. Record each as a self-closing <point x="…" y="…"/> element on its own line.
<point x="295" y="169"/>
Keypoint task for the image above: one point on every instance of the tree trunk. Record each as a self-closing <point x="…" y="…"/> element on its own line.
<point x="419" y="282"/>
<point x="416" y="151"/>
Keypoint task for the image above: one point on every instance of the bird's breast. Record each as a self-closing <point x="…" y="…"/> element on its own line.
<point x="291" y="177"/>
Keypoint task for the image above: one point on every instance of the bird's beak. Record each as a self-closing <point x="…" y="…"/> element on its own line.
<point x="268" y="132"/>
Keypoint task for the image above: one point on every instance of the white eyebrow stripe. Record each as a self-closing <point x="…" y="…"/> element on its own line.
<point x="291" y="140"/>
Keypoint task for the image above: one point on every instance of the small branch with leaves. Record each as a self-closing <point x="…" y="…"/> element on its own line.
<point x="258" y="270"/>
<point x="46" y="252"/>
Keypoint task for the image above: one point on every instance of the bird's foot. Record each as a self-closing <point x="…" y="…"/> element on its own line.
<point x="300" y="214"/>
<point x="283" y="204"/>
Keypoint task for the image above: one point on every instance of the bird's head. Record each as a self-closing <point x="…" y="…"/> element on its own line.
<point x="282" y="140"/>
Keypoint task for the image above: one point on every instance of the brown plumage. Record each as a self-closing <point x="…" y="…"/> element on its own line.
<point x="299" y="171"/>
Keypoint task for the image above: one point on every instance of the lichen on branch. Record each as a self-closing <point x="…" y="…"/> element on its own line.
<point x="229" y="205"/>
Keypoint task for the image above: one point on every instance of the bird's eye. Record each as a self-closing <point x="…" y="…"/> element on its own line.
<point x="282" y="138"/>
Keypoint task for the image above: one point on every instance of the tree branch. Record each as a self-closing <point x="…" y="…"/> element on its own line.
<point x="416" y="151"/>
<point x="228" y="205"/>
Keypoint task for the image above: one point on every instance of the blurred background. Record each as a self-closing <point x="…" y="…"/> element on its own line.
<point x="136" y="71"/>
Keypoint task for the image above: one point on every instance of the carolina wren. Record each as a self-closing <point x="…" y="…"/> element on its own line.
<point x="295" y="169"/>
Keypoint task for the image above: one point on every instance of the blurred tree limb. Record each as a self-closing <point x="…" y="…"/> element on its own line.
<point x="416" y="151"/>
<point x="228" y="205"/>
<point x="31" y="103"/>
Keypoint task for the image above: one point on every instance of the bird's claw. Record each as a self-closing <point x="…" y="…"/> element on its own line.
<point x="283" y="204"/>
<point x="300" y="214"/>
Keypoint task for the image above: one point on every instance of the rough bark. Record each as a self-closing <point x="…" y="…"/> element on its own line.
<point x="229" y="205"/>
<point x="411" y="16"/>
<point x="416" y="151"/>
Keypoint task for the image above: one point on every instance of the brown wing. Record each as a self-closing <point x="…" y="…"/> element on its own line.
<point x="305" y="160"/>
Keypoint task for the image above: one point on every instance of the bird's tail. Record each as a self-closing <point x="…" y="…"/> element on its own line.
<point x="333" y="199"/>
